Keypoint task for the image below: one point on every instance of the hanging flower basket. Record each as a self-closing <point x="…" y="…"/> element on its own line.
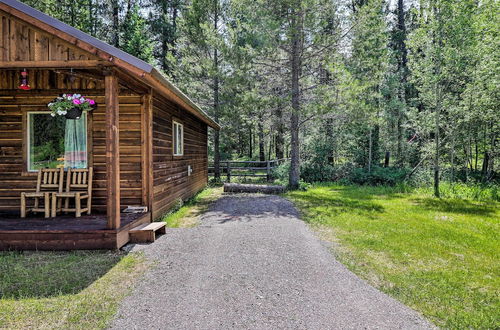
<point x="71" y="106"/>
<point x="73" y="113"/>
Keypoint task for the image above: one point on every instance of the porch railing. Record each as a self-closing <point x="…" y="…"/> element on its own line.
<point x="239" y="168"/>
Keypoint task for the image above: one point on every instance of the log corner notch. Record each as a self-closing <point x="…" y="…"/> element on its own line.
<point x="112" y="149"/>
<point x="147" y="148"/>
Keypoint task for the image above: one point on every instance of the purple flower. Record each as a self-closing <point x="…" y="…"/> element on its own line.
<point x="91" y="102"/>
<point x="76" y="102"/>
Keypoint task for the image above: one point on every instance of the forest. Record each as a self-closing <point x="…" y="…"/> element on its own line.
<point x="361" y="91"/>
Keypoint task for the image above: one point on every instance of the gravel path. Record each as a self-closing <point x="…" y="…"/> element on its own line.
<point x="253" y="264"/>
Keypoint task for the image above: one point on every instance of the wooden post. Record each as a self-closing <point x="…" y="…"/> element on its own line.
<point x="147" y="149"/>
<point x="112" y="150"/>
<point x="228" y="171"/>
<point x="268" y="170"/>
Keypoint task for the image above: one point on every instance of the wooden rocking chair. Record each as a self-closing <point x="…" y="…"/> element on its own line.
<point x="79" y="188"/>
<point x="49" y="181"/>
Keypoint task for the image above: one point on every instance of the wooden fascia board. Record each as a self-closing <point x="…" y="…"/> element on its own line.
<point x="74" y="64"/>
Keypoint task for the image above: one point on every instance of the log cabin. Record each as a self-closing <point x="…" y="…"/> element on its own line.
<point x="129" y="140"/>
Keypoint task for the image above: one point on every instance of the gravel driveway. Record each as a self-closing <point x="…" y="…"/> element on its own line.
<point x="253" y="264"/>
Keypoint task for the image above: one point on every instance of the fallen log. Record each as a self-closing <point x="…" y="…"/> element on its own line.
<point x="253" y="188"/>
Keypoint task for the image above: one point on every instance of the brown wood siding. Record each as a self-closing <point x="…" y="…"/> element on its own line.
<point x="19" y="41"/>
<point x="13" y="179"/>
<point x="170" y="173"/>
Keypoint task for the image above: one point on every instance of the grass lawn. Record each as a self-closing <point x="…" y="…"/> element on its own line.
<point x="438" y="256"/>
<point x="64" y="290"/>
<point x="187" y="215"/>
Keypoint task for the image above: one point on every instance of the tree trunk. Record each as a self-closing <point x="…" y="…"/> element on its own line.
<point x="493" y="153"/>
<point x="437" y="151"/>
<point x="370" y="150"/>
<point x="437" y="63"/>
<point x="216" y="100"/>
<point x="115" y="34"/>
<point x="476" y="148"/>
<point x="269" y="150"/>
<point x="262" y="152"/>
<point x="452" y="160"/>
<point x="250" y="136"/>
<point x="403" y="70"/>
<point x="175" y="14"/>
<point x="280" y="134"/>
<point x="295" y="62"/>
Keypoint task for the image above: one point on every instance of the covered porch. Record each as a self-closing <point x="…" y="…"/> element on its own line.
<point x="65" y="232"/>
<point x="129" y="151"/>
<point x="120" y="161"/>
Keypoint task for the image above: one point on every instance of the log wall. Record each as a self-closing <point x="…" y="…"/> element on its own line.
<point x="20" y="41"/>
<point x="14" y="178"/>
<point x="170" y="173"/>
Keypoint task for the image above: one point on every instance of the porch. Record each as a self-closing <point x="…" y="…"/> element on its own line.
<point x="65" y="232"/>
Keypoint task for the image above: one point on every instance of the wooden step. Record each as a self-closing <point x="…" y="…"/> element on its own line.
<point x="146" y="232"/>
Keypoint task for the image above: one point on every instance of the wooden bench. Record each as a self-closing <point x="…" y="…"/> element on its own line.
<point x="146" y="232"/>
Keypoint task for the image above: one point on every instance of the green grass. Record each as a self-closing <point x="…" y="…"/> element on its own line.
<point x="438" y="256"/>
<point x="64" y="290"/>
<point x="186" y="214"/>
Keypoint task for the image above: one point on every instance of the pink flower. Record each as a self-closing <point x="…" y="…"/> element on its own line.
<point x="91" y="102"/>
<point x="76" y="102"/>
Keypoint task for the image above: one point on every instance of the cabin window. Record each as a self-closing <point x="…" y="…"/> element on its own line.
<point x="178" y="138"/>
<point x="55" y="142"/>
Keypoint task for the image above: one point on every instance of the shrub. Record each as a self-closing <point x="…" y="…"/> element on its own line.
<point x="315" y="172"/>
<point x="473" y="191"/>
<point x="378" y="176"/>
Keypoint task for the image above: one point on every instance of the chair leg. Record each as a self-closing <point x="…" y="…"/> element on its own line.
<point x="66" y="205"/>
<point x="89" y="204"/>
<point x="54" y="205"/>
<point x="46" y="204"/>
<point x="23" y="205"/>
<point x="78" y="205"/>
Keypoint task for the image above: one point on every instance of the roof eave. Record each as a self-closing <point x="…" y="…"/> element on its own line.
<point x="161" y="78"/>
<point x="108" y="53"/>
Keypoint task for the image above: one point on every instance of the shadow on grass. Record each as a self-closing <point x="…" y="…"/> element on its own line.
<point x="49" y="274"/>
<point x="369" y="192"/>
<point x="459" y="206"/>
<point x="344" y="200"/>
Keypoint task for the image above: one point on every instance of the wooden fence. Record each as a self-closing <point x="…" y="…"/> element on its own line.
<point x="237" y="168"/>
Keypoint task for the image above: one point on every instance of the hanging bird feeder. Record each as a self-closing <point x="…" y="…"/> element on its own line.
<point x="24" y="81"/>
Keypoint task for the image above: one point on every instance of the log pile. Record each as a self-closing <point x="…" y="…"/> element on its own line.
<point x="253" y="188"/>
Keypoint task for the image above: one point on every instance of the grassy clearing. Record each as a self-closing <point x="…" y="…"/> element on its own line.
<point x="186" y="215"/>
<point x="64" y="290"/>
<point x="438" y="256"/>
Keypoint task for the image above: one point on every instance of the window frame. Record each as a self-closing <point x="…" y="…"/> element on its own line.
<point x="27" y="131"/>
<point x="175" y="142"/>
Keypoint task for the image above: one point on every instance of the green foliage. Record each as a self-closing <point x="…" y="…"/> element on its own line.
<point x="136" y="37"/>
<point x="379" y="176"/>
<point x="476" y="192"/>
<point x="374" y="79"/>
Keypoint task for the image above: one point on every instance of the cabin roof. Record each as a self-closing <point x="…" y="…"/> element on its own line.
<point x="113" y="52"/>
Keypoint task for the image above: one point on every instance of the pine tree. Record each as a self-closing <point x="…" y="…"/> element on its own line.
<point x="135" y="37"/>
